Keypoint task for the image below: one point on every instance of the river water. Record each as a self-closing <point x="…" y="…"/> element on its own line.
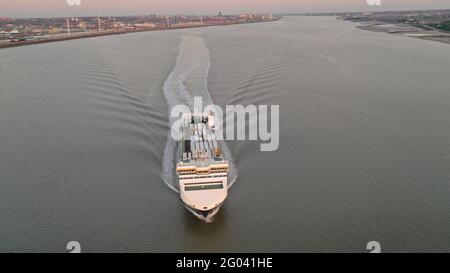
<point x="364" y="140"/>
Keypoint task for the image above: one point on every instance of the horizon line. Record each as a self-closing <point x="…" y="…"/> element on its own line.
<point x="231" y="14"/>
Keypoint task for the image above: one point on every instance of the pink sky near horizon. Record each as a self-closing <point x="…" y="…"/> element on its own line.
<point x="47" y="8"/>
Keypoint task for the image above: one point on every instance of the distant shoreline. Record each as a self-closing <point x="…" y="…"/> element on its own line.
<point x="407" y="31"/>
<point x="76" y="36"/>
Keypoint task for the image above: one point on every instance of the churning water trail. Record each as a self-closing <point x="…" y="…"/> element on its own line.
<point x="192" y="65"/>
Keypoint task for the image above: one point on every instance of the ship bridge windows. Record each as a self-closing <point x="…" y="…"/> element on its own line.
<point x="186" y="170"/>
<point x="219" y="169"/>
<point x="201" y="171"/>
<point x="202" y="176"/>
<point x="214" y="186"/>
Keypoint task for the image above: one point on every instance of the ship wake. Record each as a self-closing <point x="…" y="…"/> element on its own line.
<point x="187" y="80"/>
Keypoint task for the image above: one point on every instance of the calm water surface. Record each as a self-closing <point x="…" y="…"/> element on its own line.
<point x="364" y="140"/>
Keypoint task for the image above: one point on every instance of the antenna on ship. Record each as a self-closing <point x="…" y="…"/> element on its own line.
<point x="68" y="26"/>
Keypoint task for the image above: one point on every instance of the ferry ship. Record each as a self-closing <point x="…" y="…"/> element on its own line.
<point x="201" y="168"/>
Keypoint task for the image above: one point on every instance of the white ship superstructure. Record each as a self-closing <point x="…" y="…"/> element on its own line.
<point x="202" y="170"/>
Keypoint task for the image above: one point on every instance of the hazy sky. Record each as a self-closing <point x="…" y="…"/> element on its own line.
<point x="45" y="8"/>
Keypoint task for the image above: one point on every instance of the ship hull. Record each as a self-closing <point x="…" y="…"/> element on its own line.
<point x="207" y="215"/>
<point x="202" y="169"/>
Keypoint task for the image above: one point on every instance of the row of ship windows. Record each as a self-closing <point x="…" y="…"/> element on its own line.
<point x="212" y="170"/>
<point x="209" y="176"/>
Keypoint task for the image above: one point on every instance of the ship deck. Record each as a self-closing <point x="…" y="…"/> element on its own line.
<point x="199" y="145"/>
